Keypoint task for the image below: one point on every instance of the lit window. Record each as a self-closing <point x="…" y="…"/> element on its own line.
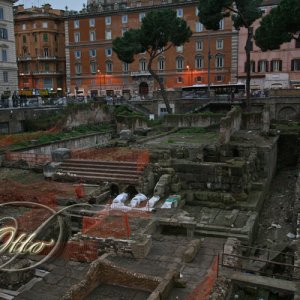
<point x="141" y="16"/>
<point x="92" y="22"/>
<point x="199" y="45"/>
<point x="107" y="20"/>
<point x="77" y="37"/>
<point x="108" y="51"/>
<point x="219" y="44"/>
<point x="24" y="26"/>
<point x="179" y="63"/>
<point x="124" y="19"/>
<point x="76" y="24"/>
<point x="92" y="52"/>
<point x="198" y="27"/>
<point x="179" y="12"/>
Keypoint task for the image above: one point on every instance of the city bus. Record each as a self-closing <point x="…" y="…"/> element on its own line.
<point x="218" y="91"/>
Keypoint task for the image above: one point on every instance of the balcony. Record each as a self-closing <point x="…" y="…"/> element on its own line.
<point x="24" y="58"/>
<point x="47" y="73"/>
<point x="46" y="58"/>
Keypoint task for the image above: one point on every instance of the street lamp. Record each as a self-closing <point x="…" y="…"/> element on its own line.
<point x="208" y="69"/>
<point x="99" y="73"/>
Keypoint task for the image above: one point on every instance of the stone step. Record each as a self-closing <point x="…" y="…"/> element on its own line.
<point x="101" y="174"/>
<point x="220" y="234"/>
<point x="99" y="179"/>
<point x="95" y="169"/>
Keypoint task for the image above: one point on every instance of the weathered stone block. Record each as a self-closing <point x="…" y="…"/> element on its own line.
<point x="60" y="154"/>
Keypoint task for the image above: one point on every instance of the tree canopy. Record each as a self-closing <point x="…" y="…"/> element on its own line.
<point x="281" y="25"/>
<point x="161" y="29"/>
<point x="243" y="14"/>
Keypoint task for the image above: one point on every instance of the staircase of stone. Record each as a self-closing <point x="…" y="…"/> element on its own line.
<point x="95" y="171"/>
<point x="138" y="108"/>
<point x="196" y="107"/>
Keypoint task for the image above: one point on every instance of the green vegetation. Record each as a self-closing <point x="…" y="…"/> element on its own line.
<point x="192" y="130"/>
<point x="124" y="111"/>
<point x="53" y="137"/>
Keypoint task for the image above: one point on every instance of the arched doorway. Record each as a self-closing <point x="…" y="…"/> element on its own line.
<point x="143" y="88"/>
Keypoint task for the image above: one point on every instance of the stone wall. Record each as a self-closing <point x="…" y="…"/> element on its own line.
<point x="192" y="120"/>
<point x="86" y="141"/>
<point x="256" y="120"/>
<point x="131" y="123"/>
<point x="230" y="124"/>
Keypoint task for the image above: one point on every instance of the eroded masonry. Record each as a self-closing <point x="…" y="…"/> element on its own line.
<point x="174" y="213"/>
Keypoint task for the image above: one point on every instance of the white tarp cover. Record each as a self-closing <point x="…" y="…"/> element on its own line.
<point x="121" y="198"/>
<point x="137" y="199"/>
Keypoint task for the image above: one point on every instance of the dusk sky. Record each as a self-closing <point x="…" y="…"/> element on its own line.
<point x="59" y="4"/>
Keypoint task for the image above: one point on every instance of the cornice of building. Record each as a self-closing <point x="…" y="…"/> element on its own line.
<point x="105" y="12"/>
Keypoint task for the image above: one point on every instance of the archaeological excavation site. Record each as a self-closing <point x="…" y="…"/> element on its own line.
<point x="196" y="207"/>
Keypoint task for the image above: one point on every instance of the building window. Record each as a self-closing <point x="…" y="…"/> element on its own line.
<point x="198" y="79"/>
<point x="3" y="34"/>
<point x="1" y="13"/>
<point x="92" y="36"/>
<point x="35" y="38"/>
<point x="108" y="34"/>
<point x="219" y="61"/>
<point x="76" y="37"/>
<point x="34" y="25"/>
<point x="77" y="54"/>
<point x="179" y="63"/>
<point x="4" y="55"/>
<point x="45" y="37"/>
<point x="196" y="11"/>
<point x="199" y="62"/>
<point x="46" y="67"/>
<point x="5" y="76"/>
<point x="297" y="43"/>
<point x="107" y="20"/>
<point x="142" y="65"/>
<point x="179" y="12"/>
<point x="24" y="26"/>
<point x="219" y="78"/>
<point x="92" y="52"/>
<point x="252" y="66"/>
<point x="219" y="44"/>
<point x="93" y="67"/>
<point x="76" y="24"/>
<point x="276" y="65"/>
<point x="46" y="52"/>
<point x="199" y="45"/>
<point x="141" y="16"/>
<point x="198" y="27"/>
<point x="124" y="19"/>
<point x="179" y="49"/>
<point x="109" y="66"/>
<point x="24" y="39"/>
<point x="92" y="22"/>
<point x="78" y="69"/>
<point x="125" y="67"/>
<point x="296" y="64"/>
<point x="221" y="24"/>
<point x="108" y="51"/>
<point x="123" y="31"/>
<point x="161" y="64"/>
<point x="45" y="25"/>
<point x="263" y="66"/>
<point x="179" y="79"/>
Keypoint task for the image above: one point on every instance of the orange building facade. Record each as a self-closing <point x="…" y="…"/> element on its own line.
<point x="94" y="69"/>
<point x="40" y="47"/>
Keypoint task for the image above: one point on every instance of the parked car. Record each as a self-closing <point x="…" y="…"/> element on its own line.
<point x="32" y="103"/>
